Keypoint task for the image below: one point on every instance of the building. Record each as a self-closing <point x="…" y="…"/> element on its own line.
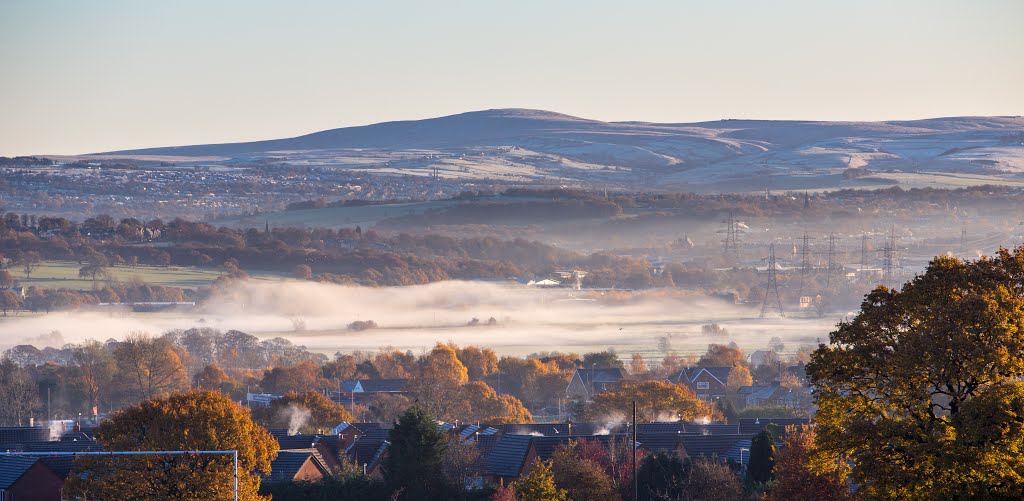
<point x="586" y="383"/>
<point x="292" y="465"/>
<point x="708" y="383"/>
<point x="28" y="478"/>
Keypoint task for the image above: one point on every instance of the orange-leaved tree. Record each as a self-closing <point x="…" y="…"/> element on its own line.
<point x="190" y="421"/>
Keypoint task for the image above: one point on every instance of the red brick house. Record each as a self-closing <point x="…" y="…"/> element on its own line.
<point x="27" y="478"/>
<point x="708" y="383"/>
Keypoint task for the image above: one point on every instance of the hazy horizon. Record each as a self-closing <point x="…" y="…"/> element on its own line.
<point x="113" y="75"/>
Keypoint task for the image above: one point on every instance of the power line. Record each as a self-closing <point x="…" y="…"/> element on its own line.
<point x="731" y="243"/>
<point x="890" y="260"/>
<point x="771" y="290"/>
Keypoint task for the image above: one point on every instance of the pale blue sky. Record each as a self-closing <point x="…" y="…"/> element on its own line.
<point x="87" y="76"/>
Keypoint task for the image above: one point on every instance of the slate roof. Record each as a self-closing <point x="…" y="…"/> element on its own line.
<point x="364" y="450"/>
<point x="61" y="465"/>
<point x="299" y="441"/>
<point x="546" y="446"/>
<point x="600" y="375"/>
<point x="287" y="465"/>
<point x="688" y="374"/>
<point x="658" y="442"/>
<point x="681" y="427"/>
<point x="22" y="434"/>
<point x="13" y="467"/>
<point x="83" y="446"/>
<point x="755" y="425"/>
<point x="506" y="458"/>
<point x="712" y="445"/>
<point x="375" y="385"/>
<point x="473" y="432"/>
<point x="486" y="443"/>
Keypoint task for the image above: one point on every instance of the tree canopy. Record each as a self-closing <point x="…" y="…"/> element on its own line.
<point x="182" y="421"/>
<point x="921" y="389"/>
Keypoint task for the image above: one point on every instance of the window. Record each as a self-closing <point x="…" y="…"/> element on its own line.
<point x="703" y="385"/>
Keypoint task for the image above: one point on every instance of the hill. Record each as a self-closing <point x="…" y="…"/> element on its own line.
<point x="519" y="145"/>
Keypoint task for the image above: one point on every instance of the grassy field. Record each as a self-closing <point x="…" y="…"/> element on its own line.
<point x="64" y="275"/>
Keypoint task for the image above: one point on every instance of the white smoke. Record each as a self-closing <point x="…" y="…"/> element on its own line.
<point x="297" y="417"/>
<point x="57" y="429"/>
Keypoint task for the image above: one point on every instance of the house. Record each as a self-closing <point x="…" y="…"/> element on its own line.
<point x="753" y="426"/>
<point x="368" y="450"/>
<point x="586" y="383"/>
<point x="28" y="478"/>
<point x="374" y="385"/>
<point x="708" y="383"/>
<point x="509" y="458"/>
<point x="761" y="357"/>
<point x="735" y="447"/>
<point x="297" y="465"/>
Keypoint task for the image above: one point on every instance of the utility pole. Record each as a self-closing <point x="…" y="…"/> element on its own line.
<point x="805" y="261"/>
<point x="771" y="292"/>
<point x="832" y="264"/>
<point x="636" y="484"/>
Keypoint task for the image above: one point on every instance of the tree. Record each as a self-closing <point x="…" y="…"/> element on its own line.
<point x="414" y="465"/>
<point x="721" y="355"/>
<point x="655" y="400"/>
<point x="603" y="359"/>
<point x="94" y="370"/>
<point x="306" y="412"/>
<point x="803" y="472"/>
<point x="479" y="363"/>
<point x="303" y="376"/>
<point x="461" y="462"/>
<point x="9" y="301"/>
<point x="581" y="478"/>
<point x="662" y="476"/>
<point x="438" y="386"/>
<point x="487" y="406"/>
<point x="303" y="272"/>
<point x="7" y="280"/>
<point x="149" y="366"/>
<point x="909" y="389"/>
<point x="711" y="480"/>
<point x="192" y="421"/>
<point x="739" y="376"/>
<point x="19" y="396"/>
<point x="29" y="262"/>
<point x="539" y="484"/>
<point x="762" y="457"/>
<point x="637" y="365"/>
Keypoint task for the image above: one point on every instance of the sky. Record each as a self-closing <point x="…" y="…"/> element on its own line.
<point x="81" y="77"/>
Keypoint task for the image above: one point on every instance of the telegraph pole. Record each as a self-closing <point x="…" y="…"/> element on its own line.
<point x="771" y="292"/>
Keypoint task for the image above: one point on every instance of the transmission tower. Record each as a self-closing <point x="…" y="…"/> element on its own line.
<point x="731" y="243"/>
<point x="771" y="292"/>
<point x="863" y="254"/>
<point x="805" y="260"/>
<point x="833" y="265"/>
<point x="890" y="260"/>
<point x="963" y="240"/>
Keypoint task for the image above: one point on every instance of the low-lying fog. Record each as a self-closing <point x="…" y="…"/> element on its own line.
<point x="528" y="319"/>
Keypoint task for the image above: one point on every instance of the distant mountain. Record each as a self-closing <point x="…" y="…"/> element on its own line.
<point x="521" y="145"/>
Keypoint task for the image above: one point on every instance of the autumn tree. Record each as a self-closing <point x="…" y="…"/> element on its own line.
<point x="711" y="480"/>
<point x="19" y="396"/>
<point x="581" y="478"/>
<point x="306" y="412"/>
<point x="921" y="391"/>
<point x="637" y="365"/>
<point x="655" y="400"/>
<point x="439" y="383"/>
<point x="479" y="362"/>
<point x="739" y="376"/>
<point x="723" y="355"/>
<point x="487" y="406"/>
<point x="462" y="462"/>
<point x="603" y="359"/>
<point x="303" y="376"/>
<point x="539" y="484"/>
<point x="414" y="465"/>
<point x="7" y="280"/>
<point x="148" y="366"/>
<point x="94" y="368"/>
<point x="9" y="301"/>
<point x="182" y="421"/>
<point x="803" y="472"/>
<point x="662" y="476"/>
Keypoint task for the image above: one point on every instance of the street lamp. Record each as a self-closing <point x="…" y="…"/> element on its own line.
<point x="742" y="464"/>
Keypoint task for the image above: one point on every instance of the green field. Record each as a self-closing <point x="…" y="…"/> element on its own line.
<point x="64" y="275"/>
